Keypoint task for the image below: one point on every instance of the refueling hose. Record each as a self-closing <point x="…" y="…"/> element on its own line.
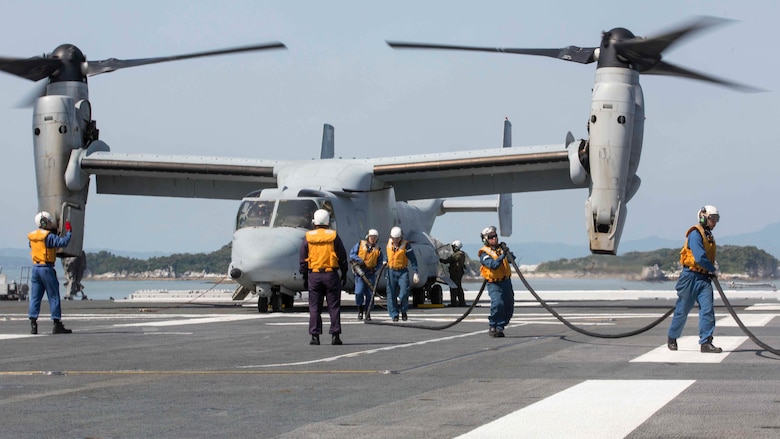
<point x="739" y="322"/>
<point x="558" y="316"/>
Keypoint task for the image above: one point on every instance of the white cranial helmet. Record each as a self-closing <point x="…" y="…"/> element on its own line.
<point x="44" y="220"/>
<point x="372" y="232"/>
<point x="321" y="217"/>
<point x="490" y="230"/>
<point x="396" y="232"/>
<point x="708" y="211"/>
<point x="456" y="245"/>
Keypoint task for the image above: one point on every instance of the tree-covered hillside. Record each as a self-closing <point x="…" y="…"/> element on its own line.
<point x="175" y="265"/>
<point x="747" y="261"/>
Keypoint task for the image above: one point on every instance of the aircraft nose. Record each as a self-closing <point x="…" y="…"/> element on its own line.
<point x="263" y="255"/>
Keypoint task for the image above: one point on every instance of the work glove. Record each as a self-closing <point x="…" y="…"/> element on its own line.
<point x="68" y="227"/>
<point x="415" y="278"/>
<point x="504" y="248"/>
<point x="343" y="279"/>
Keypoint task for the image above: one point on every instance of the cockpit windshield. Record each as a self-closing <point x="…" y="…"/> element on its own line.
<point x="295" y="213"/>
<point x="254" y="214"/>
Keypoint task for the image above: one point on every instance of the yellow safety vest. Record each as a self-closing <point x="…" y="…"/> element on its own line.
<point x="369" y="257"/>
<point x="686" y="255"/>
<point x="322" y="251"/>
<point x="396" y="257"/>
<point x="494" y="274"/>
<point x="40" y="253"/>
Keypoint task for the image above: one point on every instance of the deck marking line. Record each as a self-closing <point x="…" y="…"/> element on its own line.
<point x="600" y="409"/>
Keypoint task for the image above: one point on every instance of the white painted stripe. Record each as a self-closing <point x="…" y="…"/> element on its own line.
<point x="13" y="336"/>
<point x="688" y="351"/>
<point x="593" y="409"/>
<point x="214" y="319"/>
<point x="749" y="320"/>
<point x="764" y="307"/>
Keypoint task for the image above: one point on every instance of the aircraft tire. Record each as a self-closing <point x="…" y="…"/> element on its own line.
<point x="418" y="296"/>
<point x="288" y="302"/>
<point x="436" y="295"/>
<point x="276" y="301"/>
<point x="262" y="305"/>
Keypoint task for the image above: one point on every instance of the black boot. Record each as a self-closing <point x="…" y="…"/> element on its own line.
<point x="33" y="326"/>
<point x="708" y="348"/>
<point x="335" y="340"/>
<point x="360" y="312"/>
<point x="59" y="328"/>
<point x="315" y="340"/>
<point x="671" y="343"/>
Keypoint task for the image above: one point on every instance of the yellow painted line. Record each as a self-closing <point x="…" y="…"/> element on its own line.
<point x="188" y="372"/>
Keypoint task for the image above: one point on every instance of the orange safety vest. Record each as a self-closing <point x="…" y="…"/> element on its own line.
<point x="396" y="257"/>
<point x="369" y="257"/>
<point x="322" y="251"/>
<point x="686" y="255"/>
<point x="494" y="274"/>
<point x="40" y="253"/>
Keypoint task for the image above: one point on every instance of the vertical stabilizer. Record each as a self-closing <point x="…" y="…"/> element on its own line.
<point x="328" y="150"/>
<point x="505" y="200"/>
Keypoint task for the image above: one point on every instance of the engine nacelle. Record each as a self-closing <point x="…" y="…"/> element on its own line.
<point x="56" y="133"/>
<point x="616" y="114"/>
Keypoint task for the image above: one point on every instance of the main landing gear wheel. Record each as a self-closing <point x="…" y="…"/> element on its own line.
<point x="436" y="295"/>
<point x="288" y="302"/>
<point x="276" y="300"/>
<point x="262" y="305"/>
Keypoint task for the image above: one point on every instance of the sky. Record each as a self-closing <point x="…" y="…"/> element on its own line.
<point x="703" y="144"/>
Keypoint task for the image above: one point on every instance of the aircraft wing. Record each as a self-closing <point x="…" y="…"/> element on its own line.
<point x="478" y="172"/>
<point x="178" y="176"/>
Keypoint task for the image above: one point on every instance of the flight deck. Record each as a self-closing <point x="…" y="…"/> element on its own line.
<point x="195" y="370"/>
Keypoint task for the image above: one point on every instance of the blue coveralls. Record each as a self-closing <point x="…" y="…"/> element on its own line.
<point x="502" y="296"/>
<point x="398" y="285"/>
<point x="363" y="291"/>
<point x="44" y="278"/>
<point x="694" y="287"/>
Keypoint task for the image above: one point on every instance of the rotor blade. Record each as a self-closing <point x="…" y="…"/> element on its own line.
<point x="645" y="52"/>
<point x="667" y="69"/>
<point x="112" y="64"/>
<point x="583" y="55"/>
<point x="30" y="97"/>
<point x="34" y="69"/>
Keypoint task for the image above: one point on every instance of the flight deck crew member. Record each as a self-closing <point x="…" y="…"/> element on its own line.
<point x="43" y="248"/>
<point x="365" y="257"/>
<point x="399" y="256"/>
<point x="457" y="264"/>
<point x="496" y="271"/>
<point x="697" y="258"/>
<point x="322" y="254"/>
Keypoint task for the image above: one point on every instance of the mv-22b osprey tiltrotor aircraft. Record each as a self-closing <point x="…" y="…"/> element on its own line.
<point x="279" y="196"/>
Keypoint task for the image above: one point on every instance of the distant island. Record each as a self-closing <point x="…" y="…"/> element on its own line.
<point x="735" y="262"/>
